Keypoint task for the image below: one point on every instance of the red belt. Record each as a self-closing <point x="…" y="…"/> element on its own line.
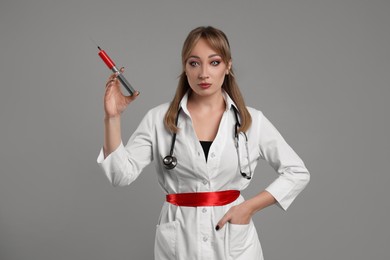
<point x="197" y="199"/>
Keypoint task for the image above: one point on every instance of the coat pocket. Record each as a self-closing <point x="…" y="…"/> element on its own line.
<point x="165" y="242"/>
<point x="239" y="240"/>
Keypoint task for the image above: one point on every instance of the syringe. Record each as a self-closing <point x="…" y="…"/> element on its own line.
<point x="111" y="65"/>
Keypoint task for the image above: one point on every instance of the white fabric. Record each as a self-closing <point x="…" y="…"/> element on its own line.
<point x="189" y="232"/>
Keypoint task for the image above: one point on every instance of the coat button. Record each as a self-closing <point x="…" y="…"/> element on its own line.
<point x="212" y="155"/>
<point x="204" y="210"/>
<point x="205" y="239"/>
<point x="204" y="182"/>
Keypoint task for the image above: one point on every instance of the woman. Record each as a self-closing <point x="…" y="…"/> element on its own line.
<point x="205" y="151"/>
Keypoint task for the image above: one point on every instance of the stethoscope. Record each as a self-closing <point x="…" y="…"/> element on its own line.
<point x="170" y="161"/>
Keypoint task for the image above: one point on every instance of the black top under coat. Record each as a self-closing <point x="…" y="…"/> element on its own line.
<point x="206" y="147"/>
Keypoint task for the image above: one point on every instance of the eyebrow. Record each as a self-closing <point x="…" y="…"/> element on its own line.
<point x="210" y="56"/>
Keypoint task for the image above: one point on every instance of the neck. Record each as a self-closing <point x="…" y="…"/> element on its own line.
<point x="209" y="103"/>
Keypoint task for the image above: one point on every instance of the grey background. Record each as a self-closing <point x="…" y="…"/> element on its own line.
<point x="318" y="69"/>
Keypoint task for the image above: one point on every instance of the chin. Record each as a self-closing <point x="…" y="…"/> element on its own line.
<point x="205" y="91"/>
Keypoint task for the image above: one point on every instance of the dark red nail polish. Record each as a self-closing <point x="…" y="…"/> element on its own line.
<point x="217" y="228"/>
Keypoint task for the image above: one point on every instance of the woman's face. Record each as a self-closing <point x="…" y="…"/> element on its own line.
<point x="205" y="69"/>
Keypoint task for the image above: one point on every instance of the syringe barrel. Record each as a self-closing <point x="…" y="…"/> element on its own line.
<point x="103" y="55"/>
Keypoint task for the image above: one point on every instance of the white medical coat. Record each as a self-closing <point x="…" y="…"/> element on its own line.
<point x="189" y="232"/>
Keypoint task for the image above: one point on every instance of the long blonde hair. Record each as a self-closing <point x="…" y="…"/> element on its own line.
<point x="218" y="42"/>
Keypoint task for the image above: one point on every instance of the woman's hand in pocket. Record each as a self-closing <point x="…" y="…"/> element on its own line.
<point x="240" y="214"/>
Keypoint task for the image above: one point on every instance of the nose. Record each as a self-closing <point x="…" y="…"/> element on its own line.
<point x="203" y="73"/>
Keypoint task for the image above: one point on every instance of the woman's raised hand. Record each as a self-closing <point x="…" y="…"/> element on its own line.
<point x="114" y="101"/>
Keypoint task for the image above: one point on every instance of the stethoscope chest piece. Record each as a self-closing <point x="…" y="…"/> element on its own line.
<point x="169" y="162"/>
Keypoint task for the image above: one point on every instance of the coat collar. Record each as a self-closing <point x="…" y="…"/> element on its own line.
<point x="228" y="102"/>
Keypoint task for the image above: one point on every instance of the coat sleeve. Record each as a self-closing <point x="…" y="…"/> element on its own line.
<point x="293" y="176"/>
<point x="125" y="164"/>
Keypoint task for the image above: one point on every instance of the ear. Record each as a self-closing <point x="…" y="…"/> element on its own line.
<point x="229" y="66"/>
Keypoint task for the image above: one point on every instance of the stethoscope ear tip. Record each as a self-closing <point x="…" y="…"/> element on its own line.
<point x="246" y="176"/>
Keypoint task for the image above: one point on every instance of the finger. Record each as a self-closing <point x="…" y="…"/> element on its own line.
<point x="110" y="82"/>
<point x="121" y="70"/>
<point x="132" y="97"/>
<point x="113" y="76"/>
<point x="222" y="222"/>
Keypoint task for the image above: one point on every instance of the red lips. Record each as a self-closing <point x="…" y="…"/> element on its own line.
<point x="204" y="85"/>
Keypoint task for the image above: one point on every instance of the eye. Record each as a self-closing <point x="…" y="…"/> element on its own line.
<point x="215" y="62"/>
<point x="193" y="63"/>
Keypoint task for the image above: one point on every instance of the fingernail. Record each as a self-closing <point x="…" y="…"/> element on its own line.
<point x="217" y="227"/>
<point x="137" y="93"/>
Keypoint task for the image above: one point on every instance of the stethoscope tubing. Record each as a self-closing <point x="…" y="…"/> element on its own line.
<point x="170" y="161"/>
